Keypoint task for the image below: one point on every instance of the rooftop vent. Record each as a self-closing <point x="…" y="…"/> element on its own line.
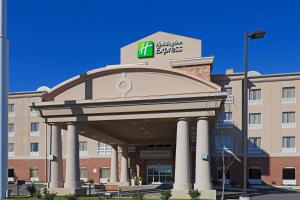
<point x="229" y="71"/>
<point x="43" y="89"/>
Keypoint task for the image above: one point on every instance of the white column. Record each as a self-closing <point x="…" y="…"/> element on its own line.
<point x="114" y="164"/>
<point x="182" y="160"/>
<point x="56" y="166"/>
<point x="203" y="174"/>
<point x="72" y="159"/>
<point x="124" y="165"/>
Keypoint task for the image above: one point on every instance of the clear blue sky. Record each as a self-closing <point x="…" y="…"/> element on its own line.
<point x="53" y="40"/>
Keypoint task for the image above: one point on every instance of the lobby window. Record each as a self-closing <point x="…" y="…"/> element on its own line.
<point x="289" y="176"/>
<point x="34" y="149"/>
<point x="11" y="149"/>
<point x="11" y="110"/>
<point x="34" y="129"/>
<point x="83" y="148"/>
<point x="225" y="120"/>
<point x="11" y="129"/>
<point x="288" y="120"/>
<point x="104" y="174"/>
<point x="104" y="149"/>
<point x="254" y="145"/>
<point x="84" y="174"/>
<point x="254" y="174"/>
<point x="288" y="144"/>
<point x="33" y="112"/>
<point x="288" y="95"/>
<point x="228" y="142"/>
<point x="227" y="175"/>
<point x="34" y="174"/>
<point x="229" y="98"/>
<point x="254" y="96"/>
<point x="255" y="120"/>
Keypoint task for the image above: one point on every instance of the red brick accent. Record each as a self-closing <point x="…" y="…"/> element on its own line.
<point x="202" y="71"/>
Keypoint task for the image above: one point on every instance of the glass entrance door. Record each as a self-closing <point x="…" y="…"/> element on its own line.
<point x="159" y="174"/>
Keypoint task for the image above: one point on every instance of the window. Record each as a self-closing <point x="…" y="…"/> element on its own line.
<point x="104" y="149"/>
<point x="34" y="129"/>
<point x="11" y="130"/>
<point x="255" y="120"/>
<point x="254" y="175"/>
<point x="34" y="174"/>
<point x="104" y="174"/>
<point x="229" y="98"/>
<point x="288" y="120"/>
<point x="254" y="145"/>
<point x="11" y="172"/>
<point x="288" y="144"/>
<point x="83" y="174"/>
<point x="228" y="142"/>
<point x="11" y="110"/>
<point x="254" y="96"/>
<point x="11" y="149"/>
<point x="227" y="175"/>
<point x="288" y="95"/>
<point x="83" y="148"/>
<point x="225" y="120"/>
<point x="33" y="112"/>
<point x="34" y="149"/>
<point x="289" y="176"/>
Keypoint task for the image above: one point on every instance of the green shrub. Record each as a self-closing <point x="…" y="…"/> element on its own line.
<point x="38" y="195"/>
<point x="48" y="195"/>
<point x="31" y="189"/>
<point x="194" y="194"/>
<point x="165" y="195"/>
<point x="137" y="196"/>
<point x="71" y="197"/>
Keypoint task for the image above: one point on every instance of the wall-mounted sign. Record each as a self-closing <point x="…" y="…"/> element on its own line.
<point x="148" y="49"/>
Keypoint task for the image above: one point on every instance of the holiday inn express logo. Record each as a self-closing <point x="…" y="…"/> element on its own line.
<point x="145" y="49"/>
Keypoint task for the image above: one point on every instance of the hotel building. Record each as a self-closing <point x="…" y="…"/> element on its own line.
<point x="161" y="115"/>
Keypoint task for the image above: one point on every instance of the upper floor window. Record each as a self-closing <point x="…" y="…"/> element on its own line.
<point x="288" y="120"/>
<point x="11" y="110"/>
<point x="255" y="120"/>
<point x="288" y="95"/>
<point x="34" y="129"/>
<point x="229" y="98"/>
<point x="225" y="120"/>
<point x="254" y="145"/>
<point x="11" y="130"/>
<point x="227" y="141"/>
<point x="254" y="96"/>
<point x="11" y="149"/>
<point x="288" y="144"/>
<point x="103" y="149"/>
<point x="83" y="148"/>
<point x="34" y="149"/>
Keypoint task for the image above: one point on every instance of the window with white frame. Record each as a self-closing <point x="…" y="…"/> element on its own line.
<point x="288" y="120"/>
<point x="288" y="144"/>
<point x="33" y="111"/>
<point x="225" y="120"/>
<point x="288" y="95"/>
<point x="11" y="110"/>
<point x="34" y="149"/>
<point x="228" y="142"/>
<point x="84" y="174"/>
<point x="83" y="148"/>
<point x="289" y="176"/>
<point x="254" y="145"/>
<point x="255" y="120"/>
<point x="11" y="149"/>
<point x="11" y="129"/>
<point x="34" y="174"/>
<point x="104" y="149"/>
<point x="254" y="96"/>
<point x="34" y="129"/>
<point x="104" y="174"/>
<point x="229" y="98"/>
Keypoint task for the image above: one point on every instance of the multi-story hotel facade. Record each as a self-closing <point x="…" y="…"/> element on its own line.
<point x="161" y="115"/>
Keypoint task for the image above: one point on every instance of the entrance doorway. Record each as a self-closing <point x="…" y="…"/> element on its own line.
<point x="159" y="174"/>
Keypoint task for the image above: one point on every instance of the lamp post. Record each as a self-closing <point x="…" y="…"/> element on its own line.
<point x="253" y="35"/>
<point x="3" y="100"/>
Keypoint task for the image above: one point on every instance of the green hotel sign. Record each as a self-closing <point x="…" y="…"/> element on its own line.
<point x="145" y="49"/>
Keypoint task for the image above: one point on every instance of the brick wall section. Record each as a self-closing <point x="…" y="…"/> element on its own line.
<point x="202" y="71"/>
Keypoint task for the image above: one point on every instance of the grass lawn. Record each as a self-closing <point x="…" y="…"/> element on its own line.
<point x="83" y="198"/>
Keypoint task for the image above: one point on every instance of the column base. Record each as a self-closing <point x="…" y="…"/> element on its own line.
<point x="208" y="194"/>
<point x="182" y="186"/>
<point x="202" y="187"/>
<point x="244" y="198"/>
<point x="67" y="191"/>
<point x="119" y="183"/>
<point x="56" y="185"/>
<point x="73" y="185"/>
<point x="180" y="194"/>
